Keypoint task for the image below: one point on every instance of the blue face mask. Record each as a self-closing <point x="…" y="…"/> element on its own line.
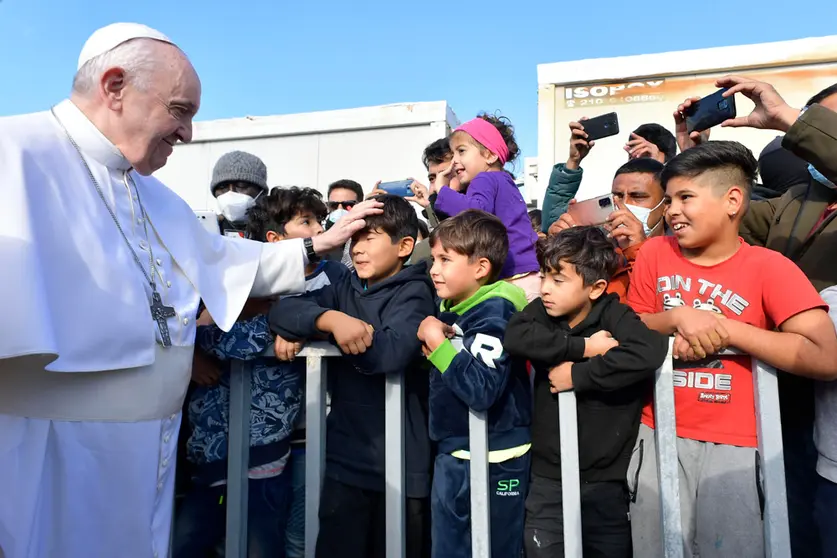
<point x="818" y="176"/>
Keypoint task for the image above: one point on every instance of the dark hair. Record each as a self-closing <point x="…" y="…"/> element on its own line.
<point x="586" y="248"/>
<point x="536" y="216"/>
<point x="423" y="229"/>
<point x="399" y="219"/>
<point x="645" y="165"/>
<point x="437" y="153"/>
<point x="504" y="126"/>
<point x="274" y="210"/>
<point x="659" y="136"/>
<point x="733" y="159"/>
<point x="347" y="185"/>
<point x="822" y="95"/>
<point x="475" y="234"/>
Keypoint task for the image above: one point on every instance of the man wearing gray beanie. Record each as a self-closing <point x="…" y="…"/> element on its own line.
<point x="237" y="180"/>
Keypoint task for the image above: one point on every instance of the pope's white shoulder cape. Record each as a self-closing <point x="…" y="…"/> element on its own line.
<point x="71" y="290"/>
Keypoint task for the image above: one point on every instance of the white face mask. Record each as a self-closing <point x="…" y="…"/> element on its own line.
<point x="642" y="214"/>
<point x="335" y="215"/>
<point x="234" y="206"/>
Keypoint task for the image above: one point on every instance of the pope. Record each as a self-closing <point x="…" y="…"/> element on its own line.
<point x="103" y="271"/>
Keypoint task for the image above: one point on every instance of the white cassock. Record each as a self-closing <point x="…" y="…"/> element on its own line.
<point x="89" y="399"/>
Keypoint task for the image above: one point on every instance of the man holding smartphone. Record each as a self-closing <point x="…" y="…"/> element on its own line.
<point x="648" y="141"/>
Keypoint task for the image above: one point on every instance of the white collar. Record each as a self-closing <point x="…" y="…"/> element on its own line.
<point x="89" y="139"/>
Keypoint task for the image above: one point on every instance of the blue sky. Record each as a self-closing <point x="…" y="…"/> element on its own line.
<point x="268" y="57"/>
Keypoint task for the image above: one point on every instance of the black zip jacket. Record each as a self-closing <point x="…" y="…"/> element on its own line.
<point x="355" y="434"/>
<point x="610" y="389"/>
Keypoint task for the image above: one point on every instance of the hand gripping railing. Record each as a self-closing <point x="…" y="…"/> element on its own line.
<point x="315" y="413"/>
<point x="769" y="432"/>
<point x="776" y="534"/>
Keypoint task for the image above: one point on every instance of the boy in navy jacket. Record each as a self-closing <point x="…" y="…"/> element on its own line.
<point x="471" y="370"/>
<point x="373" y="315"/>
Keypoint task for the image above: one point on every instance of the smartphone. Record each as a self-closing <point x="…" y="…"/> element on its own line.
<point x="209" y="220"/>
<point x="602" y="126"/>
<point x="710" y="111"/>
<point x="593" y="211"/>
<point x="399" y="188"/>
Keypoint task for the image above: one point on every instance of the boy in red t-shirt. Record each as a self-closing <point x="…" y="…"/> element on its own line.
<point x="711" y="290"/>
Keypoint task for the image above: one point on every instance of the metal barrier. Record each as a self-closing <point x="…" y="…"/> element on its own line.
<point x="316" y="355"/>
<point x="570" y="473"/>
<point x="776" y="534"/>
<point x="769" y="431"/>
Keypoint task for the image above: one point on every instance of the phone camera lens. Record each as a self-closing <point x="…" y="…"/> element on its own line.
<point x="723" y="105"/>
<point x="604" y="202"/>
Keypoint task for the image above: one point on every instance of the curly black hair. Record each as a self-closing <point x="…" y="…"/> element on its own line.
<point x="274" y="210"/>
<point x="586" y="248"/>
<point x="437" y="153"/>
<point x="506" y="129"/>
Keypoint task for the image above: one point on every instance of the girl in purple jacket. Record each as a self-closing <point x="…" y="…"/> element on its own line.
<point x="481" y="148"/>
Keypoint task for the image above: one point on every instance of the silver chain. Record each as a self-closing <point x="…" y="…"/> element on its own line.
<point x="148" y="278"/>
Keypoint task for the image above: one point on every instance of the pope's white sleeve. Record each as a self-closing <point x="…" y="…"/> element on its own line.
<point x="281" y="269"/>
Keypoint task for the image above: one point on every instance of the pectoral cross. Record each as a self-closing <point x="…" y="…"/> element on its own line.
<point x="160" y="313"/>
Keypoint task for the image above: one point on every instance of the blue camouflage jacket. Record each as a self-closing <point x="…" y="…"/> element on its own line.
<point x="276" y="398"/>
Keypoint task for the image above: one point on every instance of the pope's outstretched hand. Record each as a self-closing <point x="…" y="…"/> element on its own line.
<point x="346" y="227"/>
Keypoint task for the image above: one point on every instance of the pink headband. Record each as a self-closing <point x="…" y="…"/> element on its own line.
<point x="485" y="133"/>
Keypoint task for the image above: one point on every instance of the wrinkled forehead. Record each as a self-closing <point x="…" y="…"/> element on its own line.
<point x="174" y="76"/>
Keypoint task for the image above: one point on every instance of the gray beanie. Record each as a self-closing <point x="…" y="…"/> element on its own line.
<point x="238" y="166"/>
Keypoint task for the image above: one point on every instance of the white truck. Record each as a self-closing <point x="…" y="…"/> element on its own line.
<point x="647" y="89"/>
<point x="313" y="149"/>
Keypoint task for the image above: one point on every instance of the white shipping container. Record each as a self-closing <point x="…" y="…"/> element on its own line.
<point x="313" y="149"/>
<point x="647" y="89"/>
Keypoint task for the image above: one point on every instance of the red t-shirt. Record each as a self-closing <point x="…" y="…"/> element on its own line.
<point x="714" y="398"/>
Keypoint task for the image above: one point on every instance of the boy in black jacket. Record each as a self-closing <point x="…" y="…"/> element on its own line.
<point x="373" y="315"/>
<point x="577" y="337"/>
<point x="471" y="370"/>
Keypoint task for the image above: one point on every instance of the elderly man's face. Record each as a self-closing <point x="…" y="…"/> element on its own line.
<point x="156" y="118"/>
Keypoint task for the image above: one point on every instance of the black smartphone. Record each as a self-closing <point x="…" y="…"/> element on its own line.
<point x="710" y="111"/>
<point x="602" y="126"/>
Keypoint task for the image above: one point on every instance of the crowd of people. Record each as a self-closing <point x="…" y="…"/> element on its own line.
<point x="498" y="309"/>
<point x="479" y="304"/>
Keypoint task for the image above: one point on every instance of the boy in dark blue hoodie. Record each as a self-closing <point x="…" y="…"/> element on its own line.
<point x="471" y="370"/>
<point x="373" y="315"/>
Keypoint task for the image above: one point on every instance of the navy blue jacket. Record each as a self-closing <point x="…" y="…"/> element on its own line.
<point x="472" y="370"/>
<point x="355" y="433"/>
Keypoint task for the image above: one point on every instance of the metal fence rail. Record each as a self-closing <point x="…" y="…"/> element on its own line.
<point x="570" y="474"/>
<point x="316" y="355"/>
<point x="769" y="432"/>
<point x="776" y="534"/>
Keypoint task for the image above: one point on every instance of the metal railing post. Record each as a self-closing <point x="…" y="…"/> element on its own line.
<point x="480" y="501"/>
<point x="570" y="474"/>
<point x="396" y="544"/>
<point x="770" y="450"/>
<point x="238" y="459"/>
<point x="668" y="474"/>
<point x="315" y="436"/>
<point x="769" y="424"/>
